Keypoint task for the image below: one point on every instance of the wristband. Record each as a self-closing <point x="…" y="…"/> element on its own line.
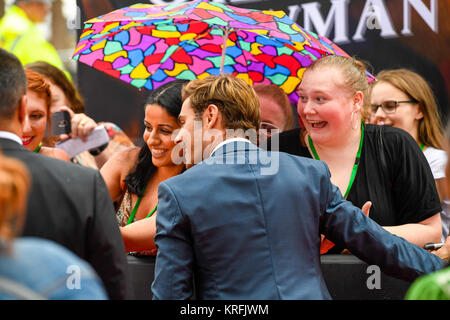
<point x="96" y="151"/>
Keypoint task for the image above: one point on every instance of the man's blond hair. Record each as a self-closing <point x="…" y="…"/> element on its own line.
<point x="235" y="99"/>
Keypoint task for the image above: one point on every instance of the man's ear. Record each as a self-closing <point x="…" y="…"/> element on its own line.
<point x="211" y="116"/>
<point x="22" y="108"/>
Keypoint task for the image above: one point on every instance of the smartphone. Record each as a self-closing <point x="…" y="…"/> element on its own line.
<point x="61" y="123"/>
<point x="433" y="246"/>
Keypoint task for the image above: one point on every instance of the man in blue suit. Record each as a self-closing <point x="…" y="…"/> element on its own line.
<point x="247" y="222"/>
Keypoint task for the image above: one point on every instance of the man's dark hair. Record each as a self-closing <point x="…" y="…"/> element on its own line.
<point x="13" y="83"/>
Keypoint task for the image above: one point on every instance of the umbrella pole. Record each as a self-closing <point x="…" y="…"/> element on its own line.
<point x="224" y="48"/>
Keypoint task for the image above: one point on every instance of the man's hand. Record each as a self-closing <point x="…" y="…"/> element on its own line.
<point x="444" y="251"/>
<point x="365" y="209"/>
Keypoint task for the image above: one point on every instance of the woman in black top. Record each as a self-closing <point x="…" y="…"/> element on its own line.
<point x="382" y="165"/>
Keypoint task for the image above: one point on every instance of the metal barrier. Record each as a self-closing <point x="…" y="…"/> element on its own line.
<point x="346" y="276"/>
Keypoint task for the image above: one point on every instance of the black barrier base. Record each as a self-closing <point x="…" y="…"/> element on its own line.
<point x="347" y="278"/>
<point x="140" y="277"/>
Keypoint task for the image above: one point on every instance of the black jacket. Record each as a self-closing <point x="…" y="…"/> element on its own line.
<point x="71" y="205"/>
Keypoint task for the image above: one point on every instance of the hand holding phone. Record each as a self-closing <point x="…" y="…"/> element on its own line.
<point x="61" y="123"/>
<point x="81" y="126"/>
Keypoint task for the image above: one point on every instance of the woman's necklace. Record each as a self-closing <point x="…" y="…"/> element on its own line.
<point x="38" y="148"/>
<point x="136" y="206"/>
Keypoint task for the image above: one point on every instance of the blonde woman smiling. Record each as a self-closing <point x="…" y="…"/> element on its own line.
<point x="370" y="164"/>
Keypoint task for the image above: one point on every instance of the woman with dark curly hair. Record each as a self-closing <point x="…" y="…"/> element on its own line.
<point x="133" y="175"/>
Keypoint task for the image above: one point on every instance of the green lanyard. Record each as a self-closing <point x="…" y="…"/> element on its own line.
<point x="38" y="147"/>
<point x="422" y="146"/>
<point x="136" y="206"/>
<point x="355" y="166"/>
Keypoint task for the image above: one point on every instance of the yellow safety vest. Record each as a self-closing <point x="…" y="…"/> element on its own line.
<point x="20" y="36"/>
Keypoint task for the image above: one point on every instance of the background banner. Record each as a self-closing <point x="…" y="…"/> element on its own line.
<point x="412" y="34"/>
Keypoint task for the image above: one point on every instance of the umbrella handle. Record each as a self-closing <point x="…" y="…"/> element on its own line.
<point x="224" y="48"/>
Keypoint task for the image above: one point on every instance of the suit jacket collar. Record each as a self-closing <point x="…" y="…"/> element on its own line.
<point x="10" y="136"/>
<point x="233" y="145"/>
<point x="8" y="144"/>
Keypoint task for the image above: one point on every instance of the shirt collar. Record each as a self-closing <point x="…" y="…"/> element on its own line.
<point x="229" y="141"/>
<point x="10" y="136"/>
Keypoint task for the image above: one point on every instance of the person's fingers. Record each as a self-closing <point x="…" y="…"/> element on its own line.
<point x="366" y="208"/>
<point x="82" y="126"/>
<point x="76" y="122"/>
<point x="64" y="136"/>
<point x="70" y="111"/>
<point x="86" y="128"/>
<point x="444" y="252"/>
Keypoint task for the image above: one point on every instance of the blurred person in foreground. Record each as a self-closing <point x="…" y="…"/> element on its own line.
<point x="247" y="222"/>
<point x="33" y="268"/>
<point x="20" y="35"/>
<point x="67" y="203"/>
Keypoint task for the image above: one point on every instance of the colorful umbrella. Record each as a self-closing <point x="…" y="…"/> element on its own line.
<point x="148" y="45"/>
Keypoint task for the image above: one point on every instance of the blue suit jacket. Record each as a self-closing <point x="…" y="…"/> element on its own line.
<point x="246" y="234"/>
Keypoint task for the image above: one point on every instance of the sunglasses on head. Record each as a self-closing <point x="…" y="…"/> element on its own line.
<point x="389" y="106"/>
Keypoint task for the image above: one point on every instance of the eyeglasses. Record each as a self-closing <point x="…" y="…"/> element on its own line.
<point x="389" y="106"/>
<point x="268" y="126"/>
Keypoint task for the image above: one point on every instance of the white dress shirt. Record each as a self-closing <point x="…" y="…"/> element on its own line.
<point x="10" y="136"/>
<point x="229" y="141"/>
